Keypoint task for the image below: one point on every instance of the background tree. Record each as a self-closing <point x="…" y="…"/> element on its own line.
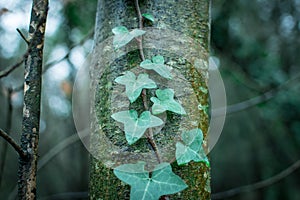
<point x="33" y="58"/>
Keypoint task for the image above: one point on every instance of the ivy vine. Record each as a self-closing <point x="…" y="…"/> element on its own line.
<point x="161" y="181"/>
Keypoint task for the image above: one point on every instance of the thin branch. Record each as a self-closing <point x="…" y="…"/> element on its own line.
<point x="235" y="70"/>
<point x="22" y="36"/>
<point x="13" y="143"/>
<point x="231" y="109"/>
<point x="13" y="67"/>
<point x="53" y="63"/>
<point x="140" y="39"/>
<point x="153" y="144"/>
<point x="138" y="10"/>
<point x="81" y="42"/>
<point x="54" y="151"/>
<point x="251" y="102"/>
<point x="8" y="128"/>
<point x="261" y="184"/>
<point x="58" y="148"/>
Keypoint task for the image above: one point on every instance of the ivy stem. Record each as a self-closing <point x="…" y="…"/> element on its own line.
<point x="140" y="39"/>
<point x="149" y="135"/>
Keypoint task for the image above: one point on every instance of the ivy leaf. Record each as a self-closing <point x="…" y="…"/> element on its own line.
<point x="148" y="16"/>
<point x="123" y="36"/>
<point x="135" y="126"/>
<point x="192" y="148"/>
<point x="157" y="64"/>
<point x="143" y="187"/>
<point x="165" y="101"/>
<point x="134" y="86"/>
<point x="119" y="30"/>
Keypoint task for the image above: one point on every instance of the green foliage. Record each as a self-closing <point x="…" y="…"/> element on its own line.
<point x="123" y="36"/>
<point x="134" y="86"/>
<point x="165" y="101"/>
<point x="145" y="187"/>
<point x="204" y="108"/>
<point x="157" y="64"/>
<point x="203" y="89"/>
<point x="148" y="16"/>
<point x="135" y="126"/>
<point x="191" y="149"/>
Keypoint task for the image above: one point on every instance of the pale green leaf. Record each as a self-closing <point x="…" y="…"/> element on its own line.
<point x="143" y="187"/>
<point x="157" y="64"/>
<point x="192" y="148"/>
<point x="165" y="101"/>
<point x="149" y="17"/>
<point x="123" y="36"/>
<point x="134" y="86"/>
<point x="135" y="126"/>
<point x="119" y="30"/>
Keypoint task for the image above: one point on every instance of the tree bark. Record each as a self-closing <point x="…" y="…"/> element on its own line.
<point x="189" y="18"/>
<point x="32" y="96"/>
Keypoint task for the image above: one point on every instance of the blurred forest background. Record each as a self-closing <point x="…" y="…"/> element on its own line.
<point x="256" y="46"/>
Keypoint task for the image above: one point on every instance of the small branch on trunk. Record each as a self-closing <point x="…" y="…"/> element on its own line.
<point x="13" y="143"/>
<point x="22" y="36"/>
<point x="13" y="67"/>
<point x="9" y="92"/>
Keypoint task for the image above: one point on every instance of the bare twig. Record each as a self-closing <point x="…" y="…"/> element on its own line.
<point x="81" y="42"/>
<point x="8" y="128"/>
<point x="22" y="36"/>
<point x="53" y="63"/>
<point x="54" y="151"/>
<point x="67" y="142"/>
<point x="13" y="143"/>
<point x="258" y="185"/>
<point x="231" y="109"/>
<point x="13" y="67"/>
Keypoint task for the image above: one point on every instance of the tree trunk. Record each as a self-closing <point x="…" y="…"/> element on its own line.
<point x="32" y="96"/>
<point x="180" y="33"/>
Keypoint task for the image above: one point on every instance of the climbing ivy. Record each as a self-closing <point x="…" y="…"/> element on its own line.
<point x="135" y="126"/>
<point x="161" y="181"/>
<point x="145" y="187"/>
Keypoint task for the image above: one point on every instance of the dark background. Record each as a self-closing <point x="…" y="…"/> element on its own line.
<point x="256" y="46"/>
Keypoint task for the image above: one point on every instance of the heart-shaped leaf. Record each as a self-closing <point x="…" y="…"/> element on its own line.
<point x="157" y="64"/>
<point x="123" y="36"/>
<point x="143" y="187"/>
<point x="165" y="101"/>
<point x="135" y="126"/>
<point x="148" y="16"/>
<point x="134" y="86"/>
<point x="192" y="148"/>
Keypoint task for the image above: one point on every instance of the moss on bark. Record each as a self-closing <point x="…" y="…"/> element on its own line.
<point x="190" y="18"/>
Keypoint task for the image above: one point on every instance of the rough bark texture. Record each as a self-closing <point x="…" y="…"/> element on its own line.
<point x="190" y="18"/>
<point x="32" y="96"/>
